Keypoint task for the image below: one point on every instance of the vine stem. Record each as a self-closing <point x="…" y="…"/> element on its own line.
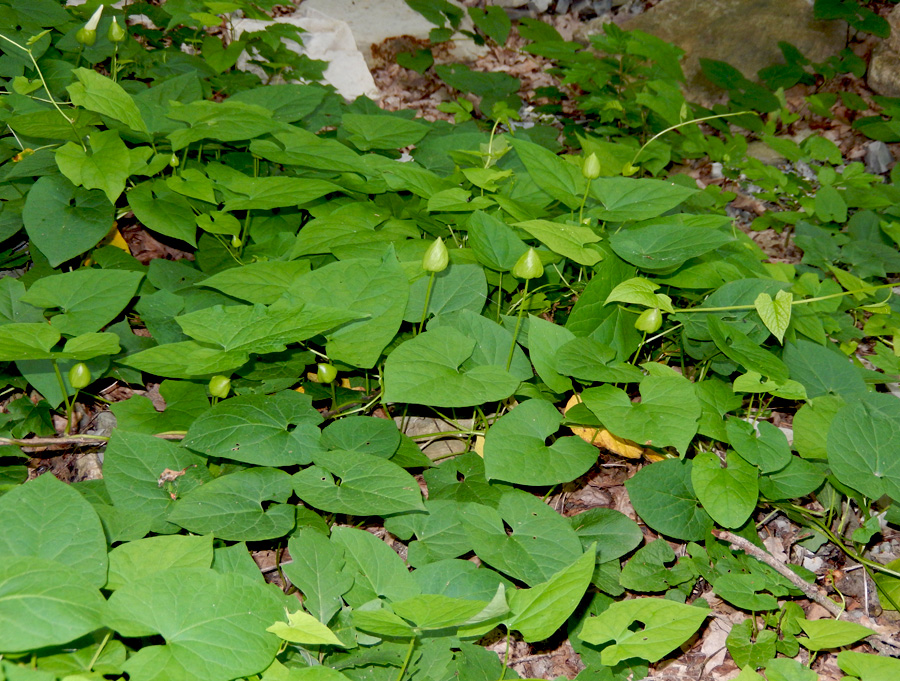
<point x="805" y="301"/>
<point x="99" y="650"/>
<point x="409" y="652"/>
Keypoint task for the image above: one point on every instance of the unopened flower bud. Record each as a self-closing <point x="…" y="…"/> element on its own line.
<point x="529" y="266"/>
<point x="116" y="33"/>
<point x="436" y="258"/>
<point x="591" y="167"/>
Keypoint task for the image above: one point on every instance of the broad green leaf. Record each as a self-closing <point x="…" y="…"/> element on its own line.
<point x="648" y="570"/>
<point x="377" y="570"/>
<point x="440" y="533"/>
<point x="45" y="603"/>
<point x="12" y="308"/>
<point x="762" y="444"/>
<point x="27" y="340"/>
<point x="775" y="314"/>
<point x="561" y="180"/>
<point x="664" y="498"/>
<point x="437" y="611"/>
<point x="459" y="287"/>
<point x="799" y="478"/>
<point x="185" y="402"/>
<point x="88" y="299"/>
<point x="539" y="611"/>
<point x="431" y="369"/>
<point x="459" y="578"/>
<point x="89" y="345"/>
<point x="266" y="430"/>
<point x="382" y="622"/>
<point x="786" y="669"/>
<point x="46" y="519"/>
<point x="826" y="634"/>
<point x="374" y="288"/>
<point x="316" y="570"/>
<point x="667" y="414"/>
<point x="493" y="22"/>
<point x="590" y="361"/>
<point x="823" y="370"/>
<point x="494" y="242"/>
<point x="134" y="561"/>
<point x="258" y="329"/>
<point x="544" y="341"/>
<point x="303" y="628"/>
<point x="568" y="240"/>
<point x="515" y="448"/>
<point x="378" y="131"/>
<point x="741" y="292"/>
<point x="665" y="246"/>
<point x="368" y="485"/>
<point x="106" y="167"/>
<point x="492" y="341"/>
<point x="541" y="544"/>
<point x="50" y="124"/>
<point x="868" y="667"/>
<point x="614" y="533"/>
<point x="750" y="648"/>
<point x="214" y="625"/>
<point x="747" y="590"/>
<point x="187" y="359"/>
<point x="666" y="625"/>
<point x="132" y="467"/>
<point x="96" y="92"/>
<point x="639" y="291"/>
<point x="260" y="282"/>
<point x="194" y="184"/>
<point x="265" y="193"/>
<point x="862" y="445"/>
<point x="163" y="211"/>
<point x="228" y="121"/>
<point x="231" y="507"/>
<point x="626" y="198"/>
<point x="752" y="382"/>
<point x="289" y="102"/>
<point x="298" y="147"/>
<point x="741" y="349"/>
<point x="63" y="220"/>
<point x="728" y="493"/>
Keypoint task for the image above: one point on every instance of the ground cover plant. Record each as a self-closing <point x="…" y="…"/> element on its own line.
<point x="554" y="308"/>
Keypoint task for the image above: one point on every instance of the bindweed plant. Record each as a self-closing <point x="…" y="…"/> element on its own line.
<point x="545" y="311"/>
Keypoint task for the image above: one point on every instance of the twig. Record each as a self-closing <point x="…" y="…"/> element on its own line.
<point x="76" y="440"/>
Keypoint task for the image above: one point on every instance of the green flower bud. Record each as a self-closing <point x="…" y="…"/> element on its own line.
<point x="116" y="33"/>
<point x="79" y="376"/>
<point x="219" y="386"/>
<point x="86" y="36"/>
<point x="649" y="320"/>
<point x="236" y="241"/>
<point x="174" y="162"/>
<point x="326" y="373"/>
<point x="94" y="21"/>
<point x="436" y="258"/>
<point x="528" y="266"/>
<point x="591" y="167"/>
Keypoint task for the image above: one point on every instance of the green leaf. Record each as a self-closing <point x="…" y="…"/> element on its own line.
<point x="163" y="211"/>
<point x="626" y="198"/>
<point x="297" y="147"/>
<point x="368" y="485"/>
<point x="868" y="667"/>
<point x="382" y="622"/>
<point x="364" y="434"/>
<point x="432" y="369"/>
<point x="492" y="341"/>
<point x="106" y="168"/>
<point x="827" y="634"/>
<point x="48" y="520"/>
<point x="132" y="466"/>
<point x="666" y="625"/>
<point x="822" y="370"/>
<point x="746" y="590"/>
<point x="305" y="629"/>
<point x="377" y="570"/>
<point x="762" y="444"/>
<point x="775" y="314"/>
<point x="567" y="240"/>
<point x="862" y="445"/>
<point x="365" y="287"/>
<point x="63" y="220"/>
<point x="493" y="22"/>
<point x="544" y="341"/>
<point x="664" y="246"/>
<point x="614" y="533"/>
<point x="751" y="648"/>
<point x="541" y="544"/>
<point x="265" y="193"/>
<point x="667" y="414"/>
<point x="728" y="494"/>
<point x="20" y="341"/>
<point x="230" y="507"/>
<point x="647" y="569"/>
<point x="98" y="93"/>
<point x="459" y="287"/>
<point x="88" y="299"/>
<point x="185" y="402"/>
<point x="187" y="359"/>
<point x="539" y="611"/>
<point x="437" y="611"/>
<point x="639" y="291"/>
<point x="664" y="498"/>
<point x="44" y="603"/>
<point x="515" y="448"/>
<point x="260" y="282"/>
<point x="316" y="569"/>
<point x="799" y="478"/>
<point x="377" y="131"/>
<point x="228" y="121"/>
<point x="561" y="180"/>
<point x="494" y="242"/>
<point x="213" y="624"/>
<point x="134" y="561"/>
<point x="741" y="349"/>
<point x="786" y="669"/>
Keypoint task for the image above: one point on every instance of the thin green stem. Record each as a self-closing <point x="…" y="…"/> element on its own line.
<point x="505" y="657"/>
<point x="587" y="190"/>
<point x="65" y="393"/>
<point x="427" y="301"/>
<point x="512" y="346"/>
<point x="805" y="301"/>
<point x="99" y="650"/>
<point x="409" y="652"/>
<point x="681" y="125"/>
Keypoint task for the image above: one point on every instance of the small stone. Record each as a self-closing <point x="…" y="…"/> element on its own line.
<point x="715" y="171"/>
<point x="813" y="564"/>
<point x="878" y="158"/>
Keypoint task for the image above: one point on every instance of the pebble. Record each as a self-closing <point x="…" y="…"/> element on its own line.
<point x="878" y="158"/>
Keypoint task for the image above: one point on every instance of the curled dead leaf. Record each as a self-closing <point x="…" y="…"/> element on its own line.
<point x="600" y="437"/>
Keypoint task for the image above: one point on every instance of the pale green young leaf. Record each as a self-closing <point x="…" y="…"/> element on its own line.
<point x="96" y="92"/>
<point x="305" y="629"/>
<point x="775" y="314"/>
<point x="571" y="241"/>
<point x="382" y="623"/>
<point x="639" y="291"/>
<point x="827" y="634"/>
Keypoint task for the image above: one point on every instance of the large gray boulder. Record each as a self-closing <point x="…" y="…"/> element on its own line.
<point x="744" y="33"/>
<point x="883" y="75"/>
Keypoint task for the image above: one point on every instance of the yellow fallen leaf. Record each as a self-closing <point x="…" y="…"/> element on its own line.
<point x="478" y="445"/>
<point x="600" y="437"/>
